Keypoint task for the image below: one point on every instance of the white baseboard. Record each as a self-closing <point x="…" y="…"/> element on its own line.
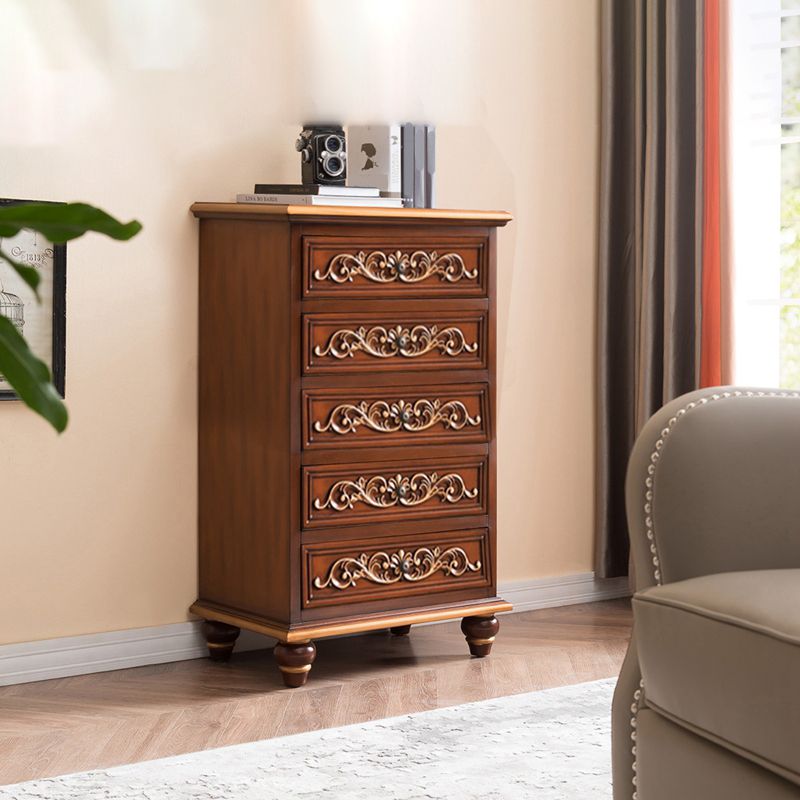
<point x="564" y="590"/>
<point x="100" y="652"/>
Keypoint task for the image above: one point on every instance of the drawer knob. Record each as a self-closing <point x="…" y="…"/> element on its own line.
<point x="388" y="568"/>
<point x="389" y="417"/>
<point x="382" y="342"/>
<point x="404" y="490"/>
<point x="378" y="267"/>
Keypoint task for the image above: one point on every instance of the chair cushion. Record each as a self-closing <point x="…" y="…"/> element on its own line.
<point x="721" y="655"/>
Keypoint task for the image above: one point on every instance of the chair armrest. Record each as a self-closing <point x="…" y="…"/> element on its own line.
<point x="713" y="485"/>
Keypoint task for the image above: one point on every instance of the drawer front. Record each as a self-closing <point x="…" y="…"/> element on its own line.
<point x="353" y="494"/>
<point x="354" y="342"/>
<point x="414" y="415"/>
<point x="394" y="266"/>
<point x="378" y="569"/>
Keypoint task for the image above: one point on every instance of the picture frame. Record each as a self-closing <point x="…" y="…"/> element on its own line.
<point x="43" y="324"/>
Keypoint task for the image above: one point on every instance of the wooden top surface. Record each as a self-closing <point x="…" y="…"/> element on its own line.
<point x="313" y="213"/>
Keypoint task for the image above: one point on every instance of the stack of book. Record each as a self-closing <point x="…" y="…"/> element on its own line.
<point x="298" y="194"/>
<point x="390" y="166"/>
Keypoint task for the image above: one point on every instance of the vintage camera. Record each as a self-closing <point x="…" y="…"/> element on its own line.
<point x="322" y="149"/>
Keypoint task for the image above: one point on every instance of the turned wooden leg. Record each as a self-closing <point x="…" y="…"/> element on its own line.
<point x="294" y="662"/>
<point x="400" y="630"/>
<point x="480" y="633"/>
<point x="220" y="639"/>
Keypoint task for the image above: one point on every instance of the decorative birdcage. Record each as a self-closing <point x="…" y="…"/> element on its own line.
<point x="12" y="308"/>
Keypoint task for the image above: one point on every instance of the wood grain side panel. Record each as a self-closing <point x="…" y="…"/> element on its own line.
<point x="492" y="360"/>
<point x="244" y="416"/>
<point x="394" y="567"/>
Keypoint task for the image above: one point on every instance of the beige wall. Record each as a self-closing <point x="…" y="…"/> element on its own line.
<point x="143" y="106"/>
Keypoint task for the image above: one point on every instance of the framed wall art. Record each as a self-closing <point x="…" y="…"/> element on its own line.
<point x="43" y="324"/>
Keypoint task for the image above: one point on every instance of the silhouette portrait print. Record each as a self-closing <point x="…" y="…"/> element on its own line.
<point x="368" y="149"/>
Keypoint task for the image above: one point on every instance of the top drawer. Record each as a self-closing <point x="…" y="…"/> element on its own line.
<point x="394" y="265"/>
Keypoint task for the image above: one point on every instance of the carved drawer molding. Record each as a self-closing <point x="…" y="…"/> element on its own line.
<point x="367" y="341"/>
<point x="405" y="490"/>
<point x="382" y="342"/>
<point x="336" y="494"/>
<point x="402" y="565"/>
<point x="385" y="417"/>
<point x="388" y="567"/>
<point x="349" y="417"/>
<point x="396" y="267"/>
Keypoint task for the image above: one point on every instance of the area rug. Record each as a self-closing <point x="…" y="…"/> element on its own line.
<point x="543" y="745"/>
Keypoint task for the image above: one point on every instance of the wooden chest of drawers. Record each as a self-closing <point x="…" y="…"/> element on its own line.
<point x="346" y="424"/>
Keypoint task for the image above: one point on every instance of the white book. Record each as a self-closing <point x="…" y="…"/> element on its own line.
<point x="318" y="200"/>
<point x="373" y="157"/>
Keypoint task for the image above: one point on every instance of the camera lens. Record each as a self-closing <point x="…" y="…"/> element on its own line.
<point x="333" y="165"/>
<point x="333" y="144"/>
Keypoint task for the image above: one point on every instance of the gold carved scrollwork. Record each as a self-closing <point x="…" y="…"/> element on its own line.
<point x="387" y="568"/>
<point x="386" y="417"/>
<point x="401" y="267"/>
<point x="387" y="342"/>
<point x="403" y="490"/>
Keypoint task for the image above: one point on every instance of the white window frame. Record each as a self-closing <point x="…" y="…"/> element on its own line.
<point x="755" y="131"/>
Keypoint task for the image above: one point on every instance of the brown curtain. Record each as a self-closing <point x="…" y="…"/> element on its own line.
<point x="650" y="238"/>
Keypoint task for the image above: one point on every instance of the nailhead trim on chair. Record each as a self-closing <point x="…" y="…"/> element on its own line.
<point x="635" y="706"/>
<point x="650" y="530"/>
<point x="656" y="455"/>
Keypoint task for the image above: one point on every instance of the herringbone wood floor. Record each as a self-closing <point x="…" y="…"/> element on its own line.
<point x="93" y="721"/>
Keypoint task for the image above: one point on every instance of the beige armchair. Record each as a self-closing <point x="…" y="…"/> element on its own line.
<point x="708" y="700"/>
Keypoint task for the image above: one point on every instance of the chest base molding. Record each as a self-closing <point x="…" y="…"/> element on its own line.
<point x="303" y="632"/>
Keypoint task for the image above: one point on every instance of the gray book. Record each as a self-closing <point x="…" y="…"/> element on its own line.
<point x="407" y="169"/>
<point x="419" y="166"/>
<point x="430" y="165"/>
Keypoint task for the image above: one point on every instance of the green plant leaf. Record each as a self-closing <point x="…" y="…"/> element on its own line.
<point x="28" y="274"/>
<point x="62" y="222"/>
<point x="58" y="222"/>
<point x="29" y="377"/>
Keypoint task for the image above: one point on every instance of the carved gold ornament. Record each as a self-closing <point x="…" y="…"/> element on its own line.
<point x="393" y="567"/>
<point x="403" y="267"/>
<point x="404" y="490"/>
<point x="387" y="342"/>
<point x="387" y="417"/>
